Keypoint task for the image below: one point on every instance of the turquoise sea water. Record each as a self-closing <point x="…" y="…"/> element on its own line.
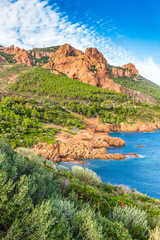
<point x="142" y="174"/>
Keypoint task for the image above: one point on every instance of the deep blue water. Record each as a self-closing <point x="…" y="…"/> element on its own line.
<point x="142" y="174"/>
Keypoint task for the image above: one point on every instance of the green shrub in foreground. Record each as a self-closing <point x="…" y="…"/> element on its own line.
<point x="86" y="175"/>
<point x="133" y="218"/>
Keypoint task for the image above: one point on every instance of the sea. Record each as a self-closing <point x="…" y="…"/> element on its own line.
<point x="142" y="173"/>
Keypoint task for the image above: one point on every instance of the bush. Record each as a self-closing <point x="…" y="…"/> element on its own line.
<point x="113" y="230"/>
<point x="86" y="175"/>
<point x="134" y="219"/>
<point x="85" y="225"/>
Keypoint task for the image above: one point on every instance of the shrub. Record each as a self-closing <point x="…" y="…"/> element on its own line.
<point x="86" y="175"/>
<point x="132" y="217"/>
<point x="113" y="230"/>
<point x="85" y="225"/>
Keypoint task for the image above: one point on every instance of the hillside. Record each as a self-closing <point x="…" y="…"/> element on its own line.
<point x="90" y="67"/>
<point x="42" y="200"/>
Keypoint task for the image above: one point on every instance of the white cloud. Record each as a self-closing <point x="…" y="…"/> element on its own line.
<point x="33" y="23"/>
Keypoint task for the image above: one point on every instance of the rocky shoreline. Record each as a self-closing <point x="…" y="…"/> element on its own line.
<point x="90" y="143"/>
<point x="83" y="145"/>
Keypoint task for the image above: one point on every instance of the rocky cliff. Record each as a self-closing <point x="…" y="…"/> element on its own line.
<point x="126" y="70"/>
<point x="89" y="67"/>
<point x="20" y="55"/>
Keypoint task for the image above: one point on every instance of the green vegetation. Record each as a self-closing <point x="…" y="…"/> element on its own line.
<point x="13" y="70"/>
<point x="47" y="49"/>
<point x="86" y="175"/>
<point x="92" y="68"/>
<point x="141" y="84"/>
<point x="39" y="201"/>
<point x="87" y="100"/>
<point x="41" y="82"/>
<point x="110" y="114"/>
<point x="22" y="123"/>
<point x="8" y="57"/>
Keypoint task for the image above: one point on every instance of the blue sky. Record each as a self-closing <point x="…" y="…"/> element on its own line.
<point x="125" y="31"/>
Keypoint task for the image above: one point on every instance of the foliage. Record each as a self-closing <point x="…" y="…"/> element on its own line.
<point x="34" y="205"/>
<point x="47" y="49"/>
<point x="21" y="123"/>
<point x="134" y="219"/>
<point x="141" y="84"/>
<point x="86" y="175"/>
<point x="40" y="81"/>
<point x="8" y="57"/>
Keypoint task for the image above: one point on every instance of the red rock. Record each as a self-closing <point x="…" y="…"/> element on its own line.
<point x="89" y="67"/>
<point x="131" y="68"/>
<point x="140" y="146"/>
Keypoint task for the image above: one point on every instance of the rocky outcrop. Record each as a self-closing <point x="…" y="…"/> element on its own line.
<point x="126" y="70"/>
<point x="137" y="127"/>
<point x="23" y="57"/>
<point x="80" y="146"/>
<point x="94" y="53"/>
<point x="131" y="69"/>
<point x="20" y="55"/>
<point x="89" y="67"/>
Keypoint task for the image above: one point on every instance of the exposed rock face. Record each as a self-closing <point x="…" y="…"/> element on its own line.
<point x="117" y="72"/>
<point x="21" y="55"/>
<point x="80" y="146"/>
<point x="89" y="67"/>
<point x="126" y="70"/>
<point x="93" y="52"/>
<point x="137" y="127"/>
<point x="131" y="68"/>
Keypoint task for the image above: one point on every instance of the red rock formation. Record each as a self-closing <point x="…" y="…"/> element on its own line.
<point x="117" y="72"/>
<point x="131" y="68"/>
<point x="80" y="146"/>
<point x="23" y="57"/>
<point x="93" y="52"/>
<point x="137" y="127"/>
<point x="126" y="70"/>
<point x="89" y="67"/>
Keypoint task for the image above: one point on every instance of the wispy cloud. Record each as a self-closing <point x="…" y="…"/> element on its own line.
<point x="34" y="23"/>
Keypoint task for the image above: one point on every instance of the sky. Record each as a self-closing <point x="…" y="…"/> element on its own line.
<point x="124" y="31"/>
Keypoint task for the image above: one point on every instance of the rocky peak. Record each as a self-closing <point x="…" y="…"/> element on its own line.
<point x="89" y="67"/>
<point x="67" y="50"/>
<point x="21" y="55"/>
<point x="93" y="52"/>
<point x="131" y="68"/>
<point x="126" y="70"/>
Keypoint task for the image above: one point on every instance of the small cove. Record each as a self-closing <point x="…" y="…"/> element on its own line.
<point x="142" y="174"/>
